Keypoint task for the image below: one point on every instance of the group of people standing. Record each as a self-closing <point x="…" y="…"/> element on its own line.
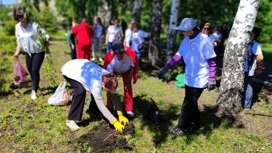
<point x="89" y="39"/>
<point x="122" y="59"/>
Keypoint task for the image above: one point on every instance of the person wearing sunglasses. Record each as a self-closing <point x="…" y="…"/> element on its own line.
<point x="206" y="29"/>
<point x="33" y="40"/>
<point x="196" y="50"/>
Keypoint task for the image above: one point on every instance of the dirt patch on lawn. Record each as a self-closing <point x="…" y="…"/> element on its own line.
<point x="104" y="138"/>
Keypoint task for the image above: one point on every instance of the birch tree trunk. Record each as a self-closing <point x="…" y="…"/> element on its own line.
<point x="104" y="11"/>
<point x="231" y="89"/>
<point x="172" y="24"/>
<point x="136" y="11"/>
<point x="153" y="53"/>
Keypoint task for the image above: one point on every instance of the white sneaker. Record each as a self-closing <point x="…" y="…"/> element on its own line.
<point x="72" y="125"/>
<point x="33" y="95"/>
<point x="130" y="113"/>
<point x="100" y="60"/>
<point x="93" y="59"/>
<point x="71" y="97"/>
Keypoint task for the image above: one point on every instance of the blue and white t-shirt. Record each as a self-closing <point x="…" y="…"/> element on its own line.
<point x="196" y="53"/>
<point x="137" y="38"/>
<point x="87" y="73"/>
<point x="254" y="48"/>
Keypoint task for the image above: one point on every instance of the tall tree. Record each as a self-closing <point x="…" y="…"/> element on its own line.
<point x="232" y="82"/>
<point x="153" y="53"/>
<point x="136" y="11"/>
<point x="172" y="24"/>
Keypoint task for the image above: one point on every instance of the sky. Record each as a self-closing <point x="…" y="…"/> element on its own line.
<point x="9" y="1"/>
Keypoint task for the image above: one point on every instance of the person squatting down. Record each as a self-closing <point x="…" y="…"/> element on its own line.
<point x="198" y="54"/>
<point x="33" y="40"/>
<point x="123" y="61"/>
<point x="84" y="75"/>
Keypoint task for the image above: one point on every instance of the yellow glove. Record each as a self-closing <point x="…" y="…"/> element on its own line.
<point x="117" y="125"/>
<point x="122" y="119"/>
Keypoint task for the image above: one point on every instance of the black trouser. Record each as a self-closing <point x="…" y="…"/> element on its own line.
<point x="78" y="100"/>
<point x="33" y="64"/>
<point x="73" y="52"/>
<point x="189" y="110"/>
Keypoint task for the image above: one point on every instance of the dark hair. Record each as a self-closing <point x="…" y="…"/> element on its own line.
<point x="136" y="24"/>
<point x="98" y="19"/>
<point x="257" y="32"/>
<point x="20" y="12"/>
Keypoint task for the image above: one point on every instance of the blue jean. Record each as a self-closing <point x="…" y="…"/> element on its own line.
<point x="109" y="45"/>
<point x="33" y="64"/>
<point x="248" y="92"/>
<point x="139" y="55"/>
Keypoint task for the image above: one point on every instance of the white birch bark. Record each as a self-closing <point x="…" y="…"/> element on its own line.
<point x="232" y="82"/>
<point x="153" y="54"/>
<point x="136" y="11"/>
<point x="172" y="24"/>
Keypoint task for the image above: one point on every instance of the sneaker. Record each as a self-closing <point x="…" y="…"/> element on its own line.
<point x="33" y="95"/>
<point x="247" y="108"/>
<point x="71" y="97"/>
<point x="130" y="114"/>
<point x="72" y="125"/>
<point x="93" y="59"/>
<point x="100" y="60"/>
<point x="176" y="131"/>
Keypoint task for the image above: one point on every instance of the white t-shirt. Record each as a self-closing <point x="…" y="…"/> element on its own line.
<point x="89" y="75"/>
<point x="196" y="53"/>
<point x="121" y="66"/>
<point x="128" y="35"/>
<point x="98" y="30"/>
<point x="28" y="37"/>
<point x="137" y="38"/>
<point x="114" y="32"/>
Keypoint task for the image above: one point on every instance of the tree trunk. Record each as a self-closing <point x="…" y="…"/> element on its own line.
<point x="231" y="89"/>
<point x="153" y="53"/>
<point x="171" y="32"/>
<point x="104" y="11"/>
<point x="136" y="11"/>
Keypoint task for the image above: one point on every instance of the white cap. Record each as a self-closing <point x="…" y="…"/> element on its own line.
<point x="186" y="24"/>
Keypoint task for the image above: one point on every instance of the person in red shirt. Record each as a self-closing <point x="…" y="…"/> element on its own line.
<point x="123" y="61"/>
<point x="83" y="33"/>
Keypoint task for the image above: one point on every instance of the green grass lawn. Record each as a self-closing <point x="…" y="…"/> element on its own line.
<point x="35" y="126"/>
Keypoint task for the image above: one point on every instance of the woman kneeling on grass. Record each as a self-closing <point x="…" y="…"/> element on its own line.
<point x="84" y="75"/>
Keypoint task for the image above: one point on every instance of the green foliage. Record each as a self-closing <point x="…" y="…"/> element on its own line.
<point x="264" y="20"/>
<point x="47" y="20"/>
<point x="9" y="27"/>
<point x="35" y="126"/>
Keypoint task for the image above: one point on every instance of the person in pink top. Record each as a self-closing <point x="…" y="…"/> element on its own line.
<point x="83" y="33"/>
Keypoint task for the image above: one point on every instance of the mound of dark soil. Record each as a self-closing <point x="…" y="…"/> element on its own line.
<point x="104" y="138"/>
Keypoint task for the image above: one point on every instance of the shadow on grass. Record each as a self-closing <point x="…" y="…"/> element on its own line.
<point x="145" y="107"/>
